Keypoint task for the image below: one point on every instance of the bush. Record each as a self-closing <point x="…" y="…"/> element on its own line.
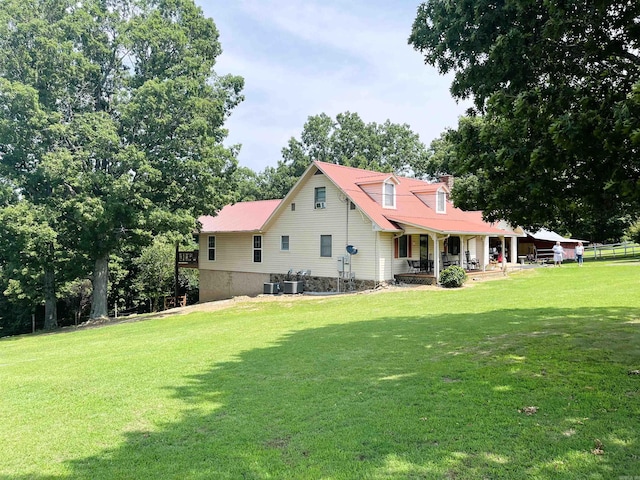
<point x="453" y="277"/>
<point x="633" y="233"/>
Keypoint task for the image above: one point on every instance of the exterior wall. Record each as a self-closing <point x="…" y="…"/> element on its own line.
<point x="305" y="225"/>
<point x="218" y="285"/>
<point x="234" y="272"/>
<point x="234" y="253"/>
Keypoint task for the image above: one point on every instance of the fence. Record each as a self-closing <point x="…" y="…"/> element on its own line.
<point x="613" y="250"/>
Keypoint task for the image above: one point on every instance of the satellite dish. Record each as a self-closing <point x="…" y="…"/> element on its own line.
<point x="351" y="250"/>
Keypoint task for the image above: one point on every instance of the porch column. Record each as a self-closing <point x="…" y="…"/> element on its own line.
<point x="436" y="256"/>
<point x="485" y="252"/>
<point x="514" y="249"/>
<point x="463" y="249"/>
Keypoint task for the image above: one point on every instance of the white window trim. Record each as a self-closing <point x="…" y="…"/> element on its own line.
<point x="288" y="243"/>
<point x="209" y="248"/>
<point x="385" y="196"/>
<point x="253" y="250"/>
<point x="317" y="203"/>
<point x="441" y="193"/>
<point x="330" y="246"/>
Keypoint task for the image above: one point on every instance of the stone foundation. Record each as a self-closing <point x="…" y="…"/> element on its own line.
<point x="326" y="284"/>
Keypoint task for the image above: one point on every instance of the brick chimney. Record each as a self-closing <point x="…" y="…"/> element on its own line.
<point x="447" y="180"/>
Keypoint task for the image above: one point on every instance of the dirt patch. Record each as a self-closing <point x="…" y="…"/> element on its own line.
<point x="235" y="301"/>
<point x="240" y="300"/>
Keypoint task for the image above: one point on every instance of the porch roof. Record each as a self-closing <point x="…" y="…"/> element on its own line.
<point x="456" y="226"/>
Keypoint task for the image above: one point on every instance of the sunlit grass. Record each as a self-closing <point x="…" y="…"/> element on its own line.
<point x="394" y="385"/>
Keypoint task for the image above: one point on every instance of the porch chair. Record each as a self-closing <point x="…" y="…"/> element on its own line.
<point x="472" y="262"/>
<point x="414" y="266"/>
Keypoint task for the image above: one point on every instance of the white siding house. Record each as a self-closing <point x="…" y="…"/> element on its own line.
<point x="388" y="219"/>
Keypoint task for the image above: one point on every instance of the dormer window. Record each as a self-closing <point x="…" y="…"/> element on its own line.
<point x="389" y="195"/>
<point x="441" y="201"/>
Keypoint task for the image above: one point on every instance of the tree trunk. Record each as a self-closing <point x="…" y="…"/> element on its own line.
<point x="100" y="279"/>
<point x="49" y="291"/>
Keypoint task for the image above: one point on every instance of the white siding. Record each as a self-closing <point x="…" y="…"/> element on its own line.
<point x="234" y="253"/>
<point x="304" y="226"/>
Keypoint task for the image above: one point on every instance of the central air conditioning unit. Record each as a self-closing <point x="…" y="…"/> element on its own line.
<point x="321" y="205"/>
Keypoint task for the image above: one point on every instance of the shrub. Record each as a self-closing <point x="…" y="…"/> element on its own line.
<point x="453" y="277"/>
<point x="633" y="233"/>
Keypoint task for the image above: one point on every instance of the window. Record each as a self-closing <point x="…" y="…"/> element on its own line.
<point x="325" y="245"/>
<point x="320" y="197"/>
<point x="284" y="242"/>
<point x="293" y="207"/>
<point x="212" y="248"/>
<point x="389" y="195"/>
<point x="453" y="245"/>
<point x="257" y="248"/>
<point x="352" y="206"/>
<point x="402" y="247"/>
<point x="440" y="201"/>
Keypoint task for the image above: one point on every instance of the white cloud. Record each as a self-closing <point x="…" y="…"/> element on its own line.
<point x="305" y="58"/>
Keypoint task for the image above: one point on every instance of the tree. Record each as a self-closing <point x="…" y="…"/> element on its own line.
<point x="111" y="115"/>
<point x="348" y="141"/>
<point x="155" y="275"/>
<point x="155" y="272"/>
<point x="556" y="137"/>
<point x="30" y="260"/>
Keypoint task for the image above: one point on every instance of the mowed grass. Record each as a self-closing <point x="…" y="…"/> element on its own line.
<point x="395" y="385"/>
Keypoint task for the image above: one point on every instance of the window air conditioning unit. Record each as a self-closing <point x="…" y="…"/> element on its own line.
<point x="321" y="205"/>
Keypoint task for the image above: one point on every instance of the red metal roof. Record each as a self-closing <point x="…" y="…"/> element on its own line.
<point x="409" y="209"/>
<point x="240" y="217"/>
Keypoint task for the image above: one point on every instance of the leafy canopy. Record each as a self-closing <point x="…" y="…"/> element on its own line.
<point x="111" y="116"/>
<point x="348" y="141"/>
<point x="557" y="87"/>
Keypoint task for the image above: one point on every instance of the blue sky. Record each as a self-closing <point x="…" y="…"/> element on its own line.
<point x="303" y="58"/>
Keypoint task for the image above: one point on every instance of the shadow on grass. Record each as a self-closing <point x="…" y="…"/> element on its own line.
<point x="418" y="397"/>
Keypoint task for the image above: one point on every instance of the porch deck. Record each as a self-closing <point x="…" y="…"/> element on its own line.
<point x="427" y="278"/>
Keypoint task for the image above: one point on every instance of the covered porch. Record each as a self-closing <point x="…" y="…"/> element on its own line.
<point x="425" y="278"/>
<point x="429" y="252"/>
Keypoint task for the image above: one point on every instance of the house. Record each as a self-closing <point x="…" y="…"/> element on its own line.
<point x="342" y="224"/>
<point x="537" y="245"/>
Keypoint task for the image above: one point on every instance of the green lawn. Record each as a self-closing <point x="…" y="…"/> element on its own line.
<point x="410" y="384"/>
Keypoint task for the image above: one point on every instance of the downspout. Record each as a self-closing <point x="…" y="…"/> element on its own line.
<point x="348" y="202"/>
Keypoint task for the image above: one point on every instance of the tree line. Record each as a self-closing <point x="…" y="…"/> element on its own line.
<point x="112" y="128"/>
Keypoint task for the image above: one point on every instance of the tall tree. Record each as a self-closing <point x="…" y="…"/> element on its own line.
<point x="30" y="260"/>
<point x="111" y="113"/>
<point x="349" y="141"/>
<point x="557" y="86"/>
